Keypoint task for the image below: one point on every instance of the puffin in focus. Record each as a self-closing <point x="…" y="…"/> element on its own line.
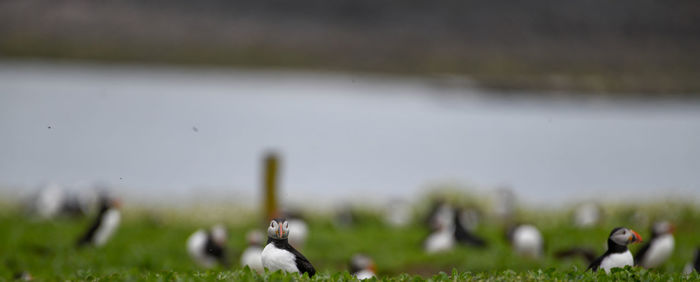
<point x="362" y="267"/>
<point x="104" y="225"/>
<point x="617" y="254"/>
<point x="693" y="265"/>
<point x="208" y="247"/>
<point x="526" y="240"/>
<point x="278" y="254"/>
<point x="659" y="247"/>
<point x="251" y="257"/>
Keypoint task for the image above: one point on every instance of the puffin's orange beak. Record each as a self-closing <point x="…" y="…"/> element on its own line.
<point x="672" y="229"/>
<point x="373" y="267"/>
<point x="635" y="238"/>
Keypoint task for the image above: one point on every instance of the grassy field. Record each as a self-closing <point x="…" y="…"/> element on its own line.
<point x="151" y="246"/>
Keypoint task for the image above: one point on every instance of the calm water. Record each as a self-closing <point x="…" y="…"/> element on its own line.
<point x="162" y="134"/>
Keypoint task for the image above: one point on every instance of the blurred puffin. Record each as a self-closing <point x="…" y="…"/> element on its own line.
<point x="659" y="248"/>
<point x="298" y="231"/>
<point x="442" y="237"/>
<point x="278" y="254"/>
<point x="617" y="254"/>
<point x="693" y="265"/>
<point x="251" y="257"/>
<point x="587" y="215"/>
<point x="464" y="235"/>
<point x="526" y="240"/>
<point x="208" y="247"/>
<point x="104" y="225"/>
<point x="362" y="267"/>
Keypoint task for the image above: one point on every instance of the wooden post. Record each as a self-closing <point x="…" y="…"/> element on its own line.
<point x="270" y="185"/>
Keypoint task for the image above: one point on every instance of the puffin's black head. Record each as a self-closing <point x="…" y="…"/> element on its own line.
<point x="662" y="228"/>
<point x="278" y="229"/>
<point x="623" y="236"/>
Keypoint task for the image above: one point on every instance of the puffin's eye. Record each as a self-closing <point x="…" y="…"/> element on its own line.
<point x="272" y="224"/>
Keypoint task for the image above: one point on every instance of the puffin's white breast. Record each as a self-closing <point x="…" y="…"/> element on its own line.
<point x="440" y="241"/>
<point x="275" y="259"/>
<point x="617" y="260"/>
<point x="527" y="241"/>
<point x="252" y="257"/>
<point x="109" y="223"/>
<point x="659" y="251"/>
<point x="364" y="274"/>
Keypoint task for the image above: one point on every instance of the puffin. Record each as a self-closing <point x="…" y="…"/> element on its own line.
<point x="464" y="235"/>
<point x="278" y="254"/>
<point x="617" y="254"/>
<point x="659" y="247"/>
<point x="693" y="265"/>
<point x="104" y="225"/>
<point x="251" y="257"/>
<point x="526" y="240"/>
<point x="362" y="267"/>
<point x="442" y="237"/>
<point x="208" y="247"/>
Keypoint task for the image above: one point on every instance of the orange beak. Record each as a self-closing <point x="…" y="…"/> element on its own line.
<point x="672" y="229"/>
<point x="373" y="268"/>
<point x="635" y="238"/>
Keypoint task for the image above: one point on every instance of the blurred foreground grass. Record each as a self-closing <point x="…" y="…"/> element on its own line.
<point x="151" y="246"/>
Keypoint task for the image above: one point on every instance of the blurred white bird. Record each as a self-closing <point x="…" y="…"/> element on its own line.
<point x="251" y="257"/>
<point x="208" y="247"/>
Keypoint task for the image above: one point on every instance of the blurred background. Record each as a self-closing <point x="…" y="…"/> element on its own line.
<point x="171" y="102"/>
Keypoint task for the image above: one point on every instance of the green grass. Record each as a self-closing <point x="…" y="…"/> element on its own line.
<point x="151" y="246"/>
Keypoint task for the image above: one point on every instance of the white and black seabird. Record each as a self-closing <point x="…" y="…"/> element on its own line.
<point x="659" y="248"/>
<point x="208" y="247"/>
<point x="693" y="265"/>
<point x="617" y="254"/>
<point x="526" y="240"/>
<point x="362" y="267"/>
<point x="252" y="256"/>
<point x="442" y="236"/>
<point x="104" y="225"/>
<point x="464" y="235"/>
<point x="278" y="254"/>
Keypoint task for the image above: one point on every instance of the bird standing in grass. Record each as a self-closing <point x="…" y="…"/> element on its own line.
<point x="208" y="247"/>
<point x="659" y="248"/>
<point x="278" y="254"/>
<point x="362" y="267"/>
<point x="252" y="256"/>
<point x="526" y="240"/>
<point x="617" y="254"/>
<point x="693" y="265"/>
<point x="104" y="225"/>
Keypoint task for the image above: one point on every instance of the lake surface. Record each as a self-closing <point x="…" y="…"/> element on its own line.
<point x="161" y="134"/>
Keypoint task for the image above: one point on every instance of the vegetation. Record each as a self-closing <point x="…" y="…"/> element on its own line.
<point x="150" y="246"/>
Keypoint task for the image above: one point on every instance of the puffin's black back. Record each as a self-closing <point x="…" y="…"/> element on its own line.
<point x="463" y="236"/>
<point x="696" y="264"/>
<point x="87" y="236"/>
<point x="216" y="250"/>
<point x="302" y="263"/>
